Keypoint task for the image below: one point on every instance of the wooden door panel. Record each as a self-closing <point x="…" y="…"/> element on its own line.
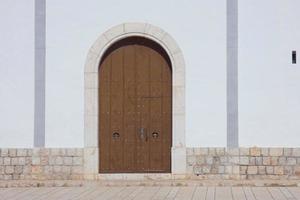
<point x="129" y="109"/>
<point x="135" y="102"/>
<point x="116" y="111"/>
<point x="104" y="115"/>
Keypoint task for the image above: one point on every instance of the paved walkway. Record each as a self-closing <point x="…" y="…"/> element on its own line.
<point x="144" y="193"/>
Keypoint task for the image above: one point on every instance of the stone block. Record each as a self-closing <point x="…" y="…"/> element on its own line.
<point x="212" y="151"/>
<point x="2" y="170"/>
<point x="14" y="161"/>
<point x="79" y="152"/>
<point x="274" y="160"/>
<point x="59" y="160"/>
<point x="278" y="170"/>
<point x="44" y="160"/>
<point x="28" y="160"/>
<point x="36" y="152"/>
<point x="288" y="151"/>
<point x="258" y="160"/>
<point x="296" y="152"/>
<point x="255" y="151"/>
<point x="197" y="170"/>
<point x="18" y="169"/>
<point x="27" y="169"/>
<point x="223" y="160"/>
<point x="191" y="160"/>
<point x="244" y="160"/>
<point x="67" y="160"/>
<point x="252" y="160"/>
<point x="44" y="152"/>
<point x="252" y="170"/>
<point x="243" y="170"/>
<point x="236" y="169"/>
<point x="21" y="152"/>
<point x="36" y="169"/>
<point x="233" y="159"/>
<point x="282" y="160"/>
<point x="9" y="169"/>
<point x="8" y="177"/>
<point x="244" y="151"/>
<point x="57" y="152"/>
<point x="233" y="151"/>
<point x="297" y="170"/>
<point x="48" y="170"/>
<point x="4" y="152"/>
<point x="214" y="169"/>
<point x="262" y="170"/>
<point x="221" y="169"/>
<point x="288" y="170"/>
<point x="266" y="161"/>
<point x="66" y="169"/>
<point x="220" y="151"/>
<point x="77" y="161"/>
<point x="228" y="169"/>
<point x="6" y="161"/>
<point x="29" y="152"/>
<point x="52" y="160"/>
<point x="206" y="169"/>
<point x="21" y="161"/>
<point x="265" y="151"/>
<point x="276" y="151"/>
<point x="200" y="160"/>
<point x="77" y="170"/>
<point x="36" y="160"/>
<point x="71" y="152"/>
<point x="12" y="152"/>
<point x="16" y="177"/>
<point x="57" y="169"/>
<point x="209" y="160"/>
<point x="189" y="151"/>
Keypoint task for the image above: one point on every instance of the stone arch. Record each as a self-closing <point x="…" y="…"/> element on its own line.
<point x="91" y="156"/>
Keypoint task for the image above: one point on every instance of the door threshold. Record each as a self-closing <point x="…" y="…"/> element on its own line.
<point x="137" y="176"/>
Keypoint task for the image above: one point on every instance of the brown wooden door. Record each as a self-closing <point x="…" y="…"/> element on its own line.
<point x="135" y="98"/>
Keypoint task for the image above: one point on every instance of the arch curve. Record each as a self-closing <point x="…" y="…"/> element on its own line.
<point x="94" y="56"/>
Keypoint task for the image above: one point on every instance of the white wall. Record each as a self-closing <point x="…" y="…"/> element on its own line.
<point x="197" y="26"/>
<point x="269" y="85"/>
<point x="16" y="73"/>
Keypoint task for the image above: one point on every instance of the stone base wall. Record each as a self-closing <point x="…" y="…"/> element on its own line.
<point x="243" y="163"/>
<point x="202" y="163"/>
<point x="41" y="164"/>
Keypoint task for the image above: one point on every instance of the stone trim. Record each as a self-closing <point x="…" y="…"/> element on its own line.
<point x="39" y="72"/>
<point x="41" y="164"/>
<point x="243" y="163"/>
<point x="232" y="74"/>
<point x="91" y="153"/>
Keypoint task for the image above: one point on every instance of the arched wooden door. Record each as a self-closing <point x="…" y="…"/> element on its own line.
<point x="135" y="108"/>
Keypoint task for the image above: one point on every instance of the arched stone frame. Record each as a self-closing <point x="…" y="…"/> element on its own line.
<point x="91" y="150"/>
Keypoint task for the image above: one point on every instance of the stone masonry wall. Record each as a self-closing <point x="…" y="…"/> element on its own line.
<point x="243" y="163"/>
<point x="41" y="164"/>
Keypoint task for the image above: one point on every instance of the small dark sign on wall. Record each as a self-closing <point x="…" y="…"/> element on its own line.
<point x="294" y="57"/>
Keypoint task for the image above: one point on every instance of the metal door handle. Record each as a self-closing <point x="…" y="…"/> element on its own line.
<point x="143" y="134"/>
<point x="155" y="134"/>
<point x="116" y="135"/>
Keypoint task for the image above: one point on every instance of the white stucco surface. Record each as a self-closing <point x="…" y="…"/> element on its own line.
<point x="197" y="26"/>
<point x="269" y="84"/>
<point x="16" y="73"/>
